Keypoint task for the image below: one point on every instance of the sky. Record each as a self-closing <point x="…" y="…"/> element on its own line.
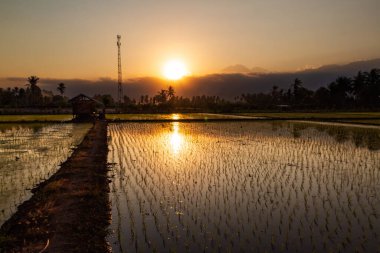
<point x="77" y="38"/>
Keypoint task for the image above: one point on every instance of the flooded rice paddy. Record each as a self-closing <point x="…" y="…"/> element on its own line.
<point x="29" y="154"/>
<point x="244" y="187"/>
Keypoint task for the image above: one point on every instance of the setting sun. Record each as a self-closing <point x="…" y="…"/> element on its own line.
<point x="175" y="69"/>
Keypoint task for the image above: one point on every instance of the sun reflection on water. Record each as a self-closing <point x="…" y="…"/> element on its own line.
<point x="175" y="116"/>
<point x="176" y="138"/>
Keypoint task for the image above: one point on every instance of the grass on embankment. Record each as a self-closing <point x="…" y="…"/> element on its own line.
<point x="119" y="117"/>
<point x="36" y="118"/>
<point x="366" y="118"/>
<point x="375" y="122"/>
<point x="174" y="116"/>
<point x="315" y="115"/>
<point x="370" y="118"/>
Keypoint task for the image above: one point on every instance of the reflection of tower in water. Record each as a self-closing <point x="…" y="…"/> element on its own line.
<point x="176" y="138"/>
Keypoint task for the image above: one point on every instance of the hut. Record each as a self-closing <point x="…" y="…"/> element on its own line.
<point x="86" y="108"/>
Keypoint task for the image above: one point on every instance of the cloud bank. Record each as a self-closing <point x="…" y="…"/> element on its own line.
<point x="225" y="85"/>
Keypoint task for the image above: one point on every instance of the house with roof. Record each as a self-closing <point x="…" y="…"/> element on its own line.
<point x="86" y="108"/>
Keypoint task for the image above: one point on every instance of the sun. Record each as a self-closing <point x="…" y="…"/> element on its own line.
<point x="175" y="69"/>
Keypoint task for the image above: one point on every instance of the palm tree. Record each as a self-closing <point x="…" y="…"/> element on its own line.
<point x="162" y="96"/>
<point x="61" y="88"/>
<point x="33" y="80"/>
<point x="171" y="92"/>
<point x="35" y="91"/>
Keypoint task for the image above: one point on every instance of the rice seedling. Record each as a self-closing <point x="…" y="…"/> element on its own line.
<point x="29" y="154"/>
<point x="252" y="186"/>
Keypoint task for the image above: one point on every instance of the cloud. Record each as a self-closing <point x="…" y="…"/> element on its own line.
<point x="225" y="85"/>
<point x="238" y="68"/>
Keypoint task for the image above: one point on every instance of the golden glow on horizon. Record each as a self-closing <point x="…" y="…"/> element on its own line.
<point x="175" y="69"/>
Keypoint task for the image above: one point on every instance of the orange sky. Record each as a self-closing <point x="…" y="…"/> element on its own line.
<point x="77" y="39"/>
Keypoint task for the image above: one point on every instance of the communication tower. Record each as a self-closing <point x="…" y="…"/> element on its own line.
<point x="119" y="80"/>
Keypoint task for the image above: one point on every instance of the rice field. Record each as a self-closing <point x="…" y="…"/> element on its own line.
<point x="244" y="187"/>
<point x="29" y="154"/>
<point x="176" y="117"/>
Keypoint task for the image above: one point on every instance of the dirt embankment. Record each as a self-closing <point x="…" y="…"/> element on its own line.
<point x="69" y="212"/>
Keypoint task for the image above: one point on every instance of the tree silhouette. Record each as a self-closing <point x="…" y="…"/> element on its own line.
<point x="362" y="91"/>
<point x="61" y="88"/>
<point x="297" y="85"/>
<point x="373" y="83"/>
<point x="161" y="97"/>
<point x="170" y="92"/>
<point x="340" y="91"/>
<point x="321" y="97"/>
<point x="33" y="80"/>
<point x="34" y="90"/>
<point x="275" y="95"/>
<point x="359" y="89"/>
<point x="301" y="96"/>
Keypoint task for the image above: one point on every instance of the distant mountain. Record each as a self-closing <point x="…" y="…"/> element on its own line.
<point x="226" y="85"/>
<point x="348" y="69"/>
<point x="230" y="85"/>
<point x="258" y="70"/>
<point x="238" y="68"/>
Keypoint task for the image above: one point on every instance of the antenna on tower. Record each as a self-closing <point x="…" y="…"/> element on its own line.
<point x="119" y="80"/>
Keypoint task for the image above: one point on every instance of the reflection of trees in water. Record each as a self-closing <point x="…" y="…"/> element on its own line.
<point x="296" y="132"/>
<point x="369" y="138"/>
<point x="373" y="140"/>
<point x="36" y="128"/>
<point x="340" y="134"/>
<point x="361" y="137"/>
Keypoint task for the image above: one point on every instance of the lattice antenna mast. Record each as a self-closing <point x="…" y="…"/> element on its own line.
<point x="119" y="80"/>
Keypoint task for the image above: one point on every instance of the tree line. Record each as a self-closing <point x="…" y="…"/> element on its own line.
<point x="32" y="96"/>
<point x="361" y="91"/>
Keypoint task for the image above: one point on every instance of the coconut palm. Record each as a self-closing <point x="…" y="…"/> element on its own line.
<point x="33" y="80"/>
<point x="35" y="91"/>
<point x="170" y="92"/>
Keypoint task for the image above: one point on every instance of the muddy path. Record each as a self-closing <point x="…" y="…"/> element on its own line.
<point x="69" y="212"/>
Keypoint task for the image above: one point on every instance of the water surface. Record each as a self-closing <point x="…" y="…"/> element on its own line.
<point x="29" y="154"/>
<point x="244" y="187"/>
